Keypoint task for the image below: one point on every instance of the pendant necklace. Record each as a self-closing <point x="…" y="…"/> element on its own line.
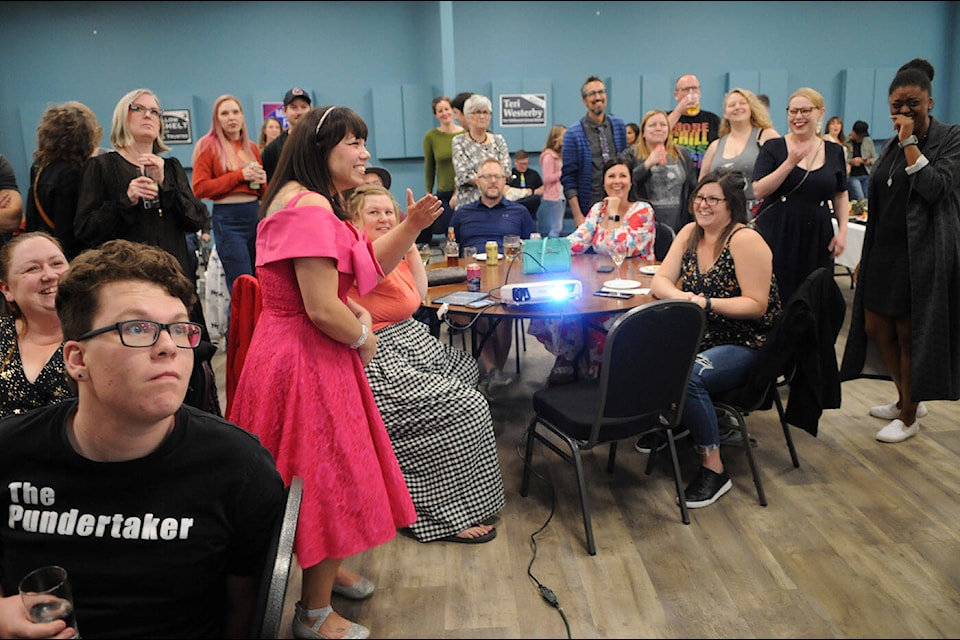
<point x="893" y="167"/>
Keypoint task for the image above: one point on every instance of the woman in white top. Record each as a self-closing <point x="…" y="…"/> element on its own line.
<point x="745" y="126"/>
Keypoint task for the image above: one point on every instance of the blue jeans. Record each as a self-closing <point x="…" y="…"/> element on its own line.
<point x="235" y="231"/>
<point x="857" y="187"/>
<point x="550" y="217"/>
<point x="719" y="368"/>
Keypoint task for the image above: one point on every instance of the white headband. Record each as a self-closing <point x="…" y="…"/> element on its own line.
<point x="322" y="118"/>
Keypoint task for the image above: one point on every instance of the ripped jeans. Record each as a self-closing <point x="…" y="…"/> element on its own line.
<point x="719" y="368"/>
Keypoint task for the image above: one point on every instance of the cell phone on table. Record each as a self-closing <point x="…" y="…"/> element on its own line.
<point x="621" y="295"/>
<point x="605" y="268"/>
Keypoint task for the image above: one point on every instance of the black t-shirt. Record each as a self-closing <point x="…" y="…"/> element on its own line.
<point x="529" y="179"/>
<point x="695" y="133"/>
<point x="271" y="153"/>
<point x="148" y="543"/>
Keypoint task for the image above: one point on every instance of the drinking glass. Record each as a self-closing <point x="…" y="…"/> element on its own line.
<point x="424" y="250"/>
<point x="511" y="246"/>
<point x="470" y="254"/>
<point x="617" y="253"/>
<point x="47" y="596"/>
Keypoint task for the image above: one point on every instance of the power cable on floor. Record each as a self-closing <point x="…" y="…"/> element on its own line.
<point x="545" y="592"/>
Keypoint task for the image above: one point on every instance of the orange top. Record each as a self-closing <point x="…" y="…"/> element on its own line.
<point x="211" y="182"/>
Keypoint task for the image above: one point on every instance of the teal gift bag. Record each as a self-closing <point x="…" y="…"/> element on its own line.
<point x="546" y="255"/>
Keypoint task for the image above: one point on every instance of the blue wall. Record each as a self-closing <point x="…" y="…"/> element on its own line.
<point x="387" y="59"/>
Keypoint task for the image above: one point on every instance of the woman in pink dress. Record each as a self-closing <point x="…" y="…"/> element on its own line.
<point x="303" y="390"/>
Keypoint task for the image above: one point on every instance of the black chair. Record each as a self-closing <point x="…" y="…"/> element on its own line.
<point x="276" y="569"/>
<point x="799" y="349"/>
<point x="665" y="236"/>
<point x="615" y="405"/>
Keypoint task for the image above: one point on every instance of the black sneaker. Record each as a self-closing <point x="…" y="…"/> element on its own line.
<point x="707" y="488"/>
<point x="658" y="440"/>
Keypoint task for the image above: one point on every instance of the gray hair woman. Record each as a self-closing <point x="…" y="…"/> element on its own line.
<point x="474" y="146"/>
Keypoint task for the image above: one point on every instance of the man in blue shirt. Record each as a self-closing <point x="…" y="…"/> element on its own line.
<point x="489" y="219"/>
<point x="492" y="216"/>
<point x="587" y="145"/>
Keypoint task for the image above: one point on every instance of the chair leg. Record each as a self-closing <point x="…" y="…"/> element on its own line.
<point x="786" y="429"/>
<point x="584" y="505"/>
<point x="684" y="513"/>
<point x="751" y="460"/>
<point x="517" y="332"/>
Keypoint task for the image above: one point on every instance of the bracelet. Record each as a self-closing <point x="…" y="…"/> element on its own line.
<point x="364" y="330"/>
<point x="709" y="304"/>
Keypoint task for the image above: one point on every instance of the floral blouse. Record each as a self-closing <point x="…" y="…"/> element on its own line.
<point x="720" y="281"/>
<point x="637" y="230"/>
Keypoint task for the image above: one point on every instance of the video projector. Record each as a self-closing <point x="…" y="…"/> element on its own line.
<point x="540" y="292"/>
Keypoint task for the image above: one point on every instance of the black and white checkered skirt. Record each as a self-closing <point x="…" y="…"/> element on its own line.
<point x="440" y="427"/>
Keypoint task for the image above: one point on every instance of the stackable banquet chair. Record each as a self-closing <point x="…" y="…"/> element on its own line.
<point x="276" y="570"/>
<point x="665" y="236"/>
<point x="799" y="357"/>
<point x="647" y="360"/>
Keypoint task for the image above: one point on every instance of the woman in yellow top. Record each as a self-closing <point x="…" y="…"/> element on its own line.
<point x="226" y="170"/>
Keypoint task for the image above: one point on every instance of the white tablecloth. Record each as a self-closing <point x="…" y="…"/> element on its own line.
<point x="850" y="257"/>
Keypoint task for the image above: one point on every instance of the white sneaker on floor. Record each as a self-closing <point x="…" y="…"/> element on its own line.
<point x="892" y="412"/>
<point x="498" y="380"/>
<point x="897" y="431"/>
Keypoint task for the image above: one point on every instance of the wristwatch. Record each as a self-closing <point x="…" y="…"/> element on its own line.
<point x="364" y="330"/>
<point x="909" y="140"/>
<point x="614" y="218"/>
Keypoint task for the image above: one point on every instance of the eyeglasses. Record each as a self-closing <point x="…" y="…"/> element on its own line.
<point x="480" y="113"/>
<point x="712" y="201"/>
<point x="145" y="333"/>
<point x="687" y="89"/>
<point x="139" y="108"/>
<point x="805" y="111"/>
<point x="598" y="92"/>
<point x="492" y="176"/>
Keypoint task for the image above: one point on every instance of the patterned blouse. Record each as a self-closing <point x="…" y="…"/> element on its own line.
<point x="19" y="395"/>
<point x="720" y="281"/>
<point x="637" y="230"/>
<point x="469" y="156"/>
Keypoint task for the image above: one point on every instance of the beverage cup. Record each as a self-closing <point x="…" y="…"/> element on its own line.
<point x="470" y="254"/>
<point x="47" y="596"/>
<point x="693" y="108"/>
<point x="424" y="250"/>
<point x="151" y="203"/>
<point x="511" y="246"/>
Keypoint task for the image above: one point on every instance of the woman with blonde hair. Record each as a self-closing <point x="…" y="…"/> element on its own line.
<point x="745" y="126"/>
<point x="802" y="180"/>
<point x="550" y="214"/>
<point x="448" y="458"/>
<point x="227" y="170"/>
<point x="664" y="174"/>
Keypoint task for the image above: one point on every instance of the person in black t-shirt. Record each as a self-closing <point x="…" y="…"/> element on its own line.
<point x="296" y="103"/>
<point x="526" y="184"/>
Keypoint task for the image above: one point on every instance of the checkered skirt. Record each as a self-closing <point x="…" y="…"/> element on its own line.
<point x="440" y="427"/>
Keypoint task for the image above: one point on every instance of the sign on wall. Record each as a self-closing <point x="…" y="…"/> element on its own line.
<point x="176" y="126"/>
<point x="274" y="110"/>
<point x="523" y="110"/>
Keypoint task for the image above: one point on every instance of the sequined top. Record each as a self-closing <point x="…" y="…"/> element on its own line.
<point x="720" y="281"/>
<point x="19" y="395"/>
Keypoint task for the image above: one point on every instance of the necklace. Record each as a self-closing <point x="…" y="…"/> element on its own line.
<point x="481" y="141"/>
<point x="894" y="165"/>
<point x="806" y="173"/>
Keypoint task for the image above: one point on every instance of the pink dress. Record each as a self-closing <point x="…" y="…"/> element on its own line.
<point x="307" y="397"/>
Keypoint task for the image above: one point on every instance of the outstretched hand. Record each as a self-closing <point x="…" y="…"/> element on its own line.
<point x="424" y="211"/>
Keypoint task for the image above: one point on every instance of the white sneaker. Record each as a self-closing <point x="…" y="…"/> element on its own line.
<point x="896" y="431"/>
<point x="892" y="412"/>
<point x="498" y="380"/>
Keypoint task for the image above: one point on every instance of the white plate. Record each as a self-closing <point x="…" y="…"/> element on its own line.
<point x="622" y="284"/>
<point x="650" y="269"/>
<point x="482" y="257"/>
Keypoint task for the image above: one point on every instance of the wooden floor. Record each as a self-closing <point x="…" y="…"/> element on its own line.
<point x="862" y="541"/>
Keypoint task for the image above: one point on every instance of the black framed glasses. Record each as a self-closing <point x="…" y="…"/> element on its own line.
<point x="142" y="110"/>
<point x="145" y="333"/>
<point x="803" y="111"/>
<point x="710" y="200"/>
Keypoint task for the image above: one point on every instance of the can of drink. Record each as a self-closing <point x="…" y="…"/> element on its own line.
<point x="493" y="252"/>
<point x="473" y="277"/>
